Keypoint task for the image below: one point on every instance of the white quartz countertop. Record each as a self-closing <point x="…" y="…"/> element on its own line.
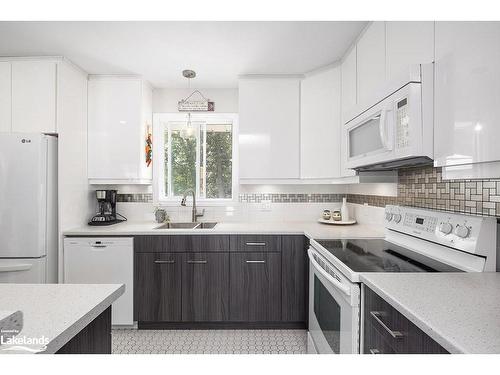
<point x="460" y="311"/>
<point x="310" y="229"/>
<point x="56" y="312"/>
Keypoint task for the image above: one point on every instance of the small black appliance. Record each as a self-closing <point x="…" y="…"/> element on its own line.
<point x="106" y="209"/>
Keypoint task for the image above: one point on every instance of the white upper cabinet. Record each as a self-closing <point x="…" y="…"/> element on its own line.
<point x="408" y="43"/>
<point x="5" y="97"/>
<point x="320" y="121"/>
<point x="371" y="62"/>
<point x="467" y="93"/>
<point x="34" y="96"/>
<point x="269" y="144"/>
<point x="349" y="84"/>
<point x="349" y="100"/>
<point x="119" y="117"/>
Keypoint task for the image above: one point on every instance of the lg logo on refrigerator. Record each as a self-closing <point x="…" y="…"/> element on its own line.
<point x="24" y="140"/>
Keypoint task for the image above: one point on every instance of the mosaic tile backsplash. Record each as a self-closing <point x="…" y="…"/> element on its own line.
<point x="424" y="187"/>
<point x="417" y="187"/>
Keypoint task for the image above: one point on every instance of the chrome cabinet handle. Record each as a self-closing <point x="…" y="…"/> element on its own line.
<point x="376" y="316"/>
<point x="164" y="261"/>
<point x="374" y="351"/>
<point x="196" y="261"/>
<point x="255" y="243"/>
<point x="255" y="261"/>
<point x="99" y="246"/>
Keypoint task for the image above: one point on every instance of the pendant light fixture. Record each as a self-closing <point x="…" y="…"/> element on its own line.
<point x="188" y="131"/>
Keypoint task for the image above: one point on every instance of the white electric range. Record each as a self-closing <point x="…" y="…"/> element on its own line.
<point x="416" y="240"/>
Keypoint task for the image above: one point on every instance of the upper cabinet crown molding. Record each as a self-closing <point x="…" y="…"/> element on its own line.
<point x="120" y="118"/>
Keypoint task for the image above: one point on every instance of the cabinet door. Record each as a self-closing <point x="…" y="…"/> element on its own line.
<point x="205" y="287"/>
<point x="34" y="96"/>
<point x="255" y="287"/>
<point x="467" y="93"/>
<point x="349" y="83"/>
<point x="294" y="279"/>
<point x="371" y="62"/>
<point x="349" y="100"/>
<point x="269" y="145"/>
<point x="114" y="125"/>
<point x="157" y="287"/>
<point x="320" y="125"/>
<point x="5" y="97"/>
<point x="408" y="43"/>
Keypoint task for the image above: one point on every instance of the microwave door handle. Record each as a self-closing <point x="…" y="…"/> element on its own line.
<point x="343" y="288"/>
<point x="384" y="129"/>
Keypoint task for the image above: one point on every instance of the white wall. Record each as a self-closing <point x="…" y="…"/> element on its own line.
<point x="165" y="100"/>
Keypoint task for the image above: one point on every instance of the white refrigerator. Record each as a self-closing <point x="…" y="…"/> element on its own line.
<point x="28" y="208"/>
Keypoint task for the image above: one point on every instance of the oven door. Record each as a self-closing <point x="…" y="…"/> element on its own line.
<point x="333" y="309"/>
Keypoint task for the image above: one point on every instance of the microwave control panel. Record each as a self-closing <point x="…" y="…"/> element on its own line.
<point x="402" y="124"/>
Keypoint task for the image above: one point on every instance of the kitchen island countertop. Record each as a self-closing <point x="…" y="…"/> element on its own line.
<point x="55" y="312"/>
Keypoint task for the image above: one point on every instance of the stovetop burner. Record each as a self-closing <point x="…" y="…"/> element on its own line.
<point x="378" y="255"/>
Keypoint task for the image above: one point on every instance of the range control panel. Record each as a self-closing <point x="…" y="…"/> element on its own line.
<point x="459" y="231"/>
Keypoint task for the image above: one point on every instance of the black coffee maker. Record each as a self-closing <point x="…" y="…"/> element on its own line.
<point x="106" y="208"/>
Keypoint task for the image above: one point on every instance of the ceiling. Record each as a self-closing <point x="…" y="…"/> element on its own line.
<point x="159" y="51"/>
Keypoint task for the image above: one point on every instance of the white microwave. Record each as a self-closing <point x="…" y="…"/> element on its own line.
<point x="396" y="131"/>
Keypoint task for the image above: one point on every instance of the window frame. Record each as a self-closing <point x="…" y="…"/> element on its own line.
<point x="159" y="121"/>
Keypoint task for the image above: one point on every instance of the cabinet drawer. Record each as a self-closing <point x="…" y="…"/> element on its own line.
<point x="252" y="242"/>
<point x="374" y="343"/>
<point x="387" y="321"/>
<point x="394" y="328"/>
<point x="181" y="243"/>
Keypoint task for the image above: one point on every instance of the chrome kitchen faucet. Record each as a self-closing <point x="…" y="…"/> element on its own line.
<point x="195" y="213"/>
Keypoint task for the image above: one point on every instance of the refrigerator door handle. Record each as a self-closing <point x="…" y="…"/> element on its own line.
<point x="15" y="267"/>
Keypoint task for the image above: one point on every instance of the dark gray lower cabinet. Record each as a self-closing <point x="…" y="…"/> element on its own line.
<point x="205" y="287"/>
<point x="158" y="287"/>
<point x="95" y="338"/>
<point x="387" y="331"/>
<point x="251" y="281"/>
<point x="294" y="279"/>
<point x="255" y="287"/>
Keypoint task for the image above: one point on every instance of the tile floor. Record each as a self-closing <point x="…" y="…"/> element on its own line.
<point x="130" y="341"/>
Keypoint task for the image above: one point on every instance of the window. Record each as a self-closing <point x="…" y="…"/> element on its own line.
<point x="197" y="157"/>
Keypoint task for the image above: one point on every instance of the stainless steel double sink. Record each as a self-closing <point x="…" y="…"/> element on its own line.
<point x="204" y="225"/>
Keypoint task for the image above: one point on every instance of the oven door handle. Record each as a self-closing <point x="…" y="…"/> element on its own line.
<point x="343" y="288"/>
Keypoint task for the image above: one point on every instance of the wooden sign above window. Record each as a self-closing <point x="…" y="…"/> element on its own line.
<point x="203" y="105"/>
<point x="196" y="106"/>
